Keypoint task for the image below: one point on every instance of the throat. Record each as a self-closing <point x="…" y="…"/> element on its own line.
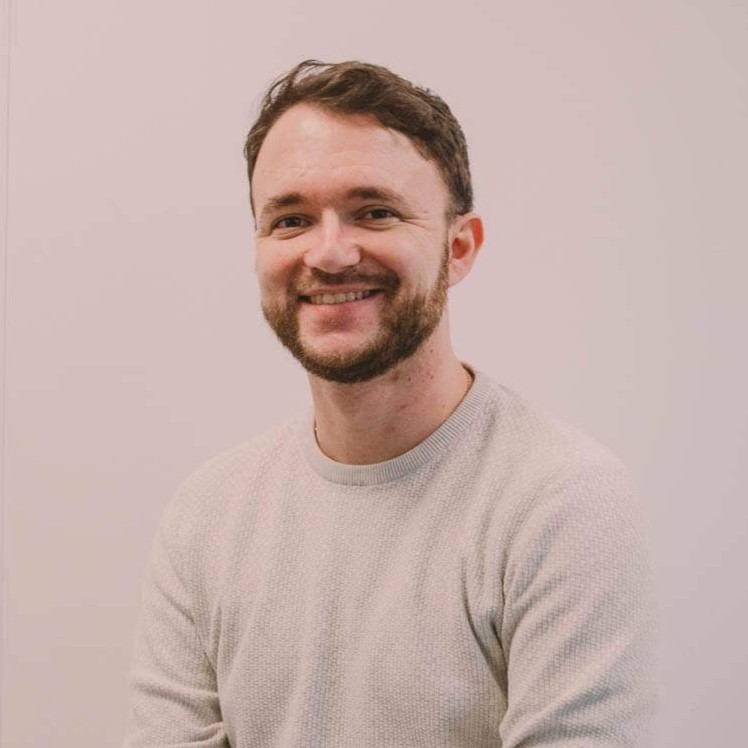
<point x="371" y="423"/>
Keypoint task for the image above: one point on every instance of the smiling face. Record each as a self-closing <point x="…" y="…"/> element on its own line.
<point x="353" y="247"/>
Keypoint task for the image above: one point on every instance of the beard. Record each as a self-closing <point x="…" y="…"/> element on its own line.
<point x="406" y="323"/>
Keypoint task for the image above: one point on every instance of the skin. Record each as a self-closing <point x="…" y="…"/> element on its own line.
<point x="331" y="241"/>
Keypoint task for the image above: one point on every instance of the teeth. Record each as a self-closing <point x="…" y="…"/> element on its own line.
<point x="339" y="298"/>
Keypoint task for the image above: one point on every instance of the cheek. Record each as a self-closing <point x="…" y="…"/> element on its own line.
<point x="272" y="269"/>
<point x="405" y="259"/>
<point x="419" y="272"/>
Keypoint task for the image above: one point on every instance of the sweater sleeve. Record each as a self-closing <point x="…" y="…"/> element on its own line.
<point x="579" y="622"/>
<point x="174" y="698"/>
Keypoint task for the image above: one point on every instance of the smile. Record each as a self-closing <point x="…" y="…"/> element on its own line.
<point x="338" y="298"/>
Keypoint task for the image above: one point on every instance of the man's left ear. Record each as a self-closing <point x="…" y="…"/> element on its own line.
<point x="467" y="239"/>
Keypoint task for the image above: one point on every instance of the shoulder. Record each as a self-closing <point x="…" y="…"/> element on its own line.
<point x="550" y="472"/>
<point x="538" y="438"/>
<point x="570" y="492"/>
<point x="220" y="486"/>
<point x="532" y="449"/>
<point x="235" y="465"/>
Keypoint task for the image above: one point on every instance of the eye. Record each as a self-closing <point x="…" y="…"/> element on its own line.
<point x="289" y="222"/>
<point x="379" y="213"/>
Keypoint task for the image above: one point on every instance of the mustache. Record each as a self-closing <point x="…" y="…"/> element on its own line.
<point x="384" y="281"/>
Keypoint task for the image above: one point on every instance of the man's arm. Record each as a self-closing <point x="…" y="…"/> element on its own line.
<point x="174" y="697"/>
<point x="579" y="624"/>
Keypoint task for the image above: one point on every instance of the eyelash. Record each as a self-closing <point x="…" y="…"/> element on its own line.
<point x="277" y="225"/>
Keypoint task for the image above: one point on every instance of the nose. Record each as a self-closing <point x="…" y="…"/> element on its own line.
<point x="332" y="248"/>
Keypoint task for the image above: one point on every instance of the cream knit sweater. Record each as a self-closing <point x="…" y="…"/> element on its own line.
<point x="490" y="587"/>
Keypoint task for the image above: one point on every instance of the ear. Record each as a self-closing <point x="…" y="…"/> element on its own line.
<point x="466" y="240"/>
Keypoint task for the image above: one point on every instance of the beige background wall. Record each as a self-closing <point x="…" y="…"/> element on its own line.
<point x="608" y="144"/>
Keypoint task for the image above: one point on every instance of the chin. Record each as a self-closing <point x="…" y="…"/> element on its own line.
<point x="354" y="373"/>
<point x="347" y="367"/>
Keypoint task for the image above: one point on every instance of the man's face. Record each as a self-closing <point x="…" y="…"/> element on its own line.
<point x="352" y="244"/>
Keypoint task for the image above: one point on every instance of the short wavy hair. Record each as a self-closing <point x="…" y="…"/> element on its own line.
<point x="354" y="87"/>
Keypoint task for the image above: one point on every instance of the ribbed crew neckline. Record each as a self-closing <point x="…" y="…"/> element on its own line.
<point x="382" y="472"/>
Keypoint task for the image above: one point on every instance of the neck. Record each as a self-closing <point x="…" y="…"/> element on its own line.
<point x="369" y="422"/>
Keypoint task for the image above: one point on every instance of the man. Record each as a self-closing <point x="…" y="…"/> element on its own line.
<point x="425" y="560"/>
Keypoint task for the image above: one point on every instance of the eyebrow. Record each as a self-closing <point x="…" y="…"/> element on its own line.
<point x="364" y="192"/>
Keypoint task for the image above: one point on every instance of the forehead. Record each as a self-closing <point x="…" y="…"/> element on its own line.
<point x="320" y="154"/>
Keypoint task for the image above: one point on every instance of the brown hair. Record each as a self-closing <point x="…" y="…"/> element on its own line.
<point x="362" y="88"/>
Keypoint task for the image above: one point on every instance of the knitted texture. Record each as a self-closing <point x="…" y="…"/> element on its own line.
<point x="490" y="587"/>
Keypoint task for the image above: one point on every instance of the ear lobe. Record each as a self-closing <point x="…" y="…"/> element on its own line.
<point x="467" y="239"/>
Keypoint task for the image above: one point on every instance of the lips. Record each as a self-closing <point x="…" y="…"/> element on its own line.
<point x="329" y="288"/>
<point x="338" y="297"/>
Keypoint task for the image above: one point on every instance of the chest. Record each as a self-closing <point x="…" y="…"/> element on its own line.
<point x="356" y="623"/>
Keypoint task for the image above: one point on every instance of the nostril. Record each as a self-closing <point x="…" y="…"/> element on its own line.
<point x="332" y="262"/>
